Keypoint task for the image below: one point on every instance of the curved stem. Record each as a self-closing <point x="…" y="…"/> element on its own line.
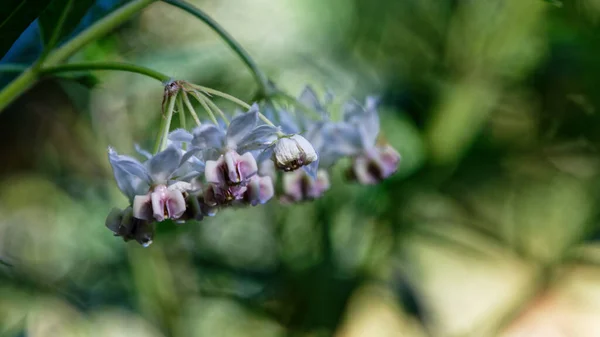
<point x="261" y="78"/>
<point x="92" y="33"/>
<point x="132" y="68"/>
<point x="97" y="30"/>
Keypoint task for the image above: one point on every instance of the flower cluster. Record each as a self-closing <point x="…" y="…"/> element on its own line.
<point x="233" y="163"/>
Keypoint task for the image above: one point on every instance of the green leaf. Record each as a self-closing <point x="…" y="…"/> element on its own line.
<point x="50" y="18"/>
<point x="15" y="17"/>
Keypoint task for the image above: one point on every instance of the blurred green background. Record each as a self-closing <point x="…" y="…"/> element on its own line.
<point x="490" y="227"/>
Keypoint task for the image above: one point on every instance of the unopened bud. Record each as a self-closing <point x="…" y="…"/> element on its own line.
<point x="291" y="153"/>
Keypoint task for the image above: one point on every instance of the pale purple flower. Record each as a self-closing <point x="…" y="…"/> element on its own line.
<point x="259" y="190"/>
<point x="228" y="176"/>
<point x="373" y="162"/>
<point x="231" y="169"/>
<point x="243" y="134"/>
<point x="299" y="186"/>
<point x="163" y="202"/>
<point x="221" y="195"/>
<point x="152" y="187"/>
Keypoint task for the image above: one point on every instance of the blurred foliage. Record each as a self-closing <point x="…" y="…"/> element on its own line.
<point x="489" y="228"/>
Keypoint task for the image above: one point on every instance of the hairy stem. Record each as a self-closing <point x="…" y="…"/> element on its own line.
<point x="262" y="80"/>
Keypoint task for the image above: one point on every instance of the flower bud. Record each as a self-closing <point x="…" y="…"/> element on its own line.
<point x="291" y="153"/>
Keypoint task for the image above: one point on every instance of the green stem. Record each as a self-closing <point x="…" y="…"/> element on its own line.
<point x="181" y="112"/>
<point x="202" y="102"/>
<point x="165" y="126"/>
<point x="95" y="31"/>
<point x="222" y="94"/>
<point x="232" y="99"/>
<point x="132" y="68"/>
<point x="214" y="107"/>
<point x="265" y="87"/>
<point x="190" y="107"/>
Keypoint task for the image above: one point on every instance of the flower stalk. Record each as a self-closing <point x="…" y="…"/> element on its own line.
<point x="165" y="126"/>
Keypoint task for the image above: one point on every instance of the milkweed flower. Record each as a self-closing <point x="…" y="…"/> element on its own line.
<point x="291" y="153"/>
<point x="299" y="186"/>
<point x="373" y="162"/>
<point x="239" y="161"/>
<point x="122" y="223"/>
<point x="153" y="186"/>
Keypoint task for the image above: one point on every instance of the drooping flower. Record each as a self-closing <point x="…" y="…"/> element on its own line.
<point x="243" y="134"/>
<point x="259" y="190"/>
<point x="299" y="186"/>
<point x="231" y="169"/>
<point x="291" y="153"/>
<point x="152" y="187"/>
<point x="374" y="165"/>
<point x="162" y="203"/>
<point x="373" y="162"/>
<point x="122" y="223"/>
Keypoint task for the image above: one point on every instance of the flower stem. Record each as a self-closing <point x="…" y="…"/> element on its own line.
<point x="95" y="31"/>
<point x="263" y="82"/>
<point x="231" y="99"/>
<point x="132" y="68"/>
<point x="202" y="102"/>
<point x="190" y="107"/>
<point x="221" y="94"/>
<point x="214" y="107"/>
<point x="165" y="126"/>
<point x="181" y="112"/>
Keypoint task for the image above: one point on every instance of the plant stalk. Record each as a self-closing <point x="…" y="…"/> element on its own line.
<point x="27" y="78"/>
<point x="263" y="82"/>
